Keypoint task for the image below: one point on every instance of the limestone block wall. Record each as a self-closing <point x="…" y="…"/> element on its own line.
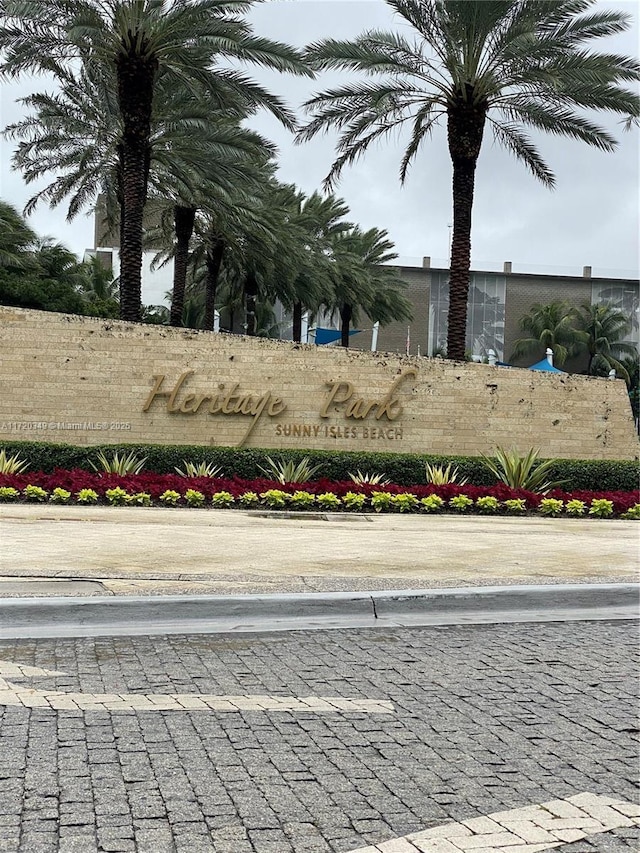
<point x="88" y="381"/>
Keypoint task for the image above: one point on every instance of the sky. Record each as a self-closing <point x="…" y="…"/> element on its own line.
<point x="591" y="218"/>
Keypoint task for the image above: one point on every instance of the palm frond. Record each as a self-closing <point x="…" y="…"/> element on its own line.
<point x="509" y="135"/>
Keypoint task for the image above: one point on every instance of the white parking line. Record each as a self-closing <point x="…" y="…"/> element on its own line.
<point x="531" y="829"/>
<point x="13" y="694"/>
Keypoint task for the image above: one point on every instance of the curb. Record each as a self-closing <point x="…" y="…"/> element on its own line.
<point x="131" y="615"/>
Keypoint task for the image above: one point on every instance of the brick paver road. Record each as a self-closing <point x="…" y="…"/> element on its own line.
<point x="466" y="722"/>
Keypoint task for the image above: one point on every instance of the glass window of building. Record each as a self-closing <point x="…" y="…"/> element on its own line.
<point x="485" y="314"/>
<point x="623" y="296"/>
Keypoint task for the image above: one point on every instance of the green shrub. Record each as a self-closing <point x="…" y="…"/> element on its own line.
<point x="274" y="498"/>
<point x="404" y="502"/>
<point x="461" y="503"/>
<point x="601" y="508"/>
<point x="249" y="499"/>
<point x="117" y="496"/>
<point x="194" y="498"/>
<point x="354" y="500"/>
<point x="576" y="507"/>
<point x="140" y="499"/>
<point x="8" y="493"/>
<point x="381" y="501"/>
<point x="633" y="512"/>
<point x="87" y="496"/>
<point x="59" y="496"/>
<point x="432" y="503"/>
<point x="488" y="504"/>
<point x="515" y="506"/>
<point x="302" y="500"/>
<point x="327" y="500"/>
<point x="170" y="497"/>
<point x="550" y="506"/>
<point x="35" y="493"/>
<point x="222" y="499"/>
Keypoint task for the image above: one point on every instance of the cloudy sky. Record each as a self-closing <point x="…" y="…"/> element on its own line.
<point x="591" y="218"/>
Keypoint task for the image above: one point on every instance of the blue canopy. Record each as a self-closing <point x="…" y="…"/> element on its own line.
<point x="328" y="336"/>
<point x="545" y="366"/>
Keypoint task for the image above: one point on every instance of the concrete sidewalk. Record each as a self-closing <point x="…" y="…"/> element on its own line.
<point x="47" y="550"/>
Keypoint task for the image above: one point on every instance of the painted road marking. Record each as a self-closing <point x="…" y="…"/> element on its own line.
<point x="531" y="829"/>
<point x="13" y="694"/>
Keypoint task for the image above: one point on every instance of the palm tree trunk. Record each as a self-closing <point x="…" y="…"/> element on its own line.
<point x="250" y="297"/>
<point x="297" y="322"/>
<point x="465" y="126"/>
<point x="120" y="196"/>
<point x="135" y="96"/>
<point x="213" y="261"/>
<point x="184" y="219"/>
<point x="346" y="312"/>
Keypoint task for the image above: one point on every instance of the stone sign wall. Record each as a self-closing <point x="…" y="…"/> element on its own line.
<point x="88" y="381"/>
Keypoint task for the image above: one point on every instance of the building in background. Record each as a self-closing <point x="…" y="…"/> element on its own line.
<point x="497" y="301"/>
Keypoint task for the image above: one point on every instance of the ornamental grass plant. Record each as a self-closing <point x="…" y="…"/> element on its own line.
<point x="522" y="472"/>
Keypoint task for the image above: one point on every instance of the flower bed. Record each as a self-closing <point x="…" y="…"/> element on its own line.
<point x="148" y="489"/>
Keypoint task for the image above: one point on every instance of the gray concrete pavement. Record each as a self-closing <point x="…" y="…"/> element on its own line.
<point x="47" y="550"/>
<point x="127" y="745"/>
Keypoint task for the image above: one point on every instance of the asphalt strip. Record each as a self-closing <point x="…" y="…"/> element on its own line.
<point x="186" y="614"/>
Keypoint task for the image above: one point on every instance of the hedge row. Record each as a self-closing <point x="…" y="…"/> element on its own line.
<point x="404" y="469"/>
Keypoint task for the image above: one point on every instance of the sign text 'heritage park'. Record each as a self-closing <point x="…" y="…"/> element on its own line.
<point x="232" y="400"/>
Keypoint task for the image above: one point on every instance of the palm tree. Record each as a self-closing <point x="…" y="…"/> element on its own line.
<point x="235" y="225"/>
<point x="193" y="160"/>
<point x="213" y="173"/>
<point x="99" y="288"/>
<point x="145" y="41"/>
<point x="511" y="64"/>
<point x="305" y="229"/>
<point x="74" y="134"/>
<point x="632" y="366"/>
<point x="553" y="326"/>
<point x="57" y="263"/>
<point x="362" y="281"/>
<point x="16" y="238"/>
<point x="604" y="328"/>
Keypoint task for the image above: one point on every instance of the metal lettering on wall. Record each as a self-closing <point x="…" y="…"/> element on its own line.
<point x="341" y="398"/>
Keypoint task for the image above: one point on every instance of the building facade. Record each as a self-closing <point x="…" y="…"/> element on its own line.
<point x="497" y="301"/>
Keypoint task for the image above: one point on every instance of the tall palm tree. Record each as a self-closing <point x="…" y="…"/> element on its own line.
<point x="552" y="325"/>
<point x="604" y="329"/>
<point x="145" y="41"/>
<point x="513" y="65"/>
<point x="213" y="173"/>
<point x="228" y="215"/>
<point x="363" y="281"/>
<point x="310" y="224"/>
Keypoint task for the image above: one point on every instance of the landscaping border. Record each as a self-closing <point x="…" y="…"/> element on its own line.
<point x="403" y="469"/>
